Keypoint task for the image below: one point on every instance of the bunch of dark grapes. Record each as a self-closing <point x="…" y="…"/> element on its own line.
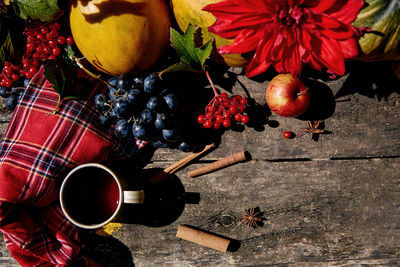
<point x="144" y="108"/>
<point x="43" y="42"/>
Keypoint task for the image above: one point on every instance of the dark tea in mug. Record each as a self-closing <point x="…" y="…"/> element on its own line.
<point x="91" y="196"/>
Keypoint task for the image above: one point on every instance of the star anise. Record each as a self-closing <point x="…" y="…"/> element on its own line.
<point x="312" y="128"/>
<point x="250" y="218"/>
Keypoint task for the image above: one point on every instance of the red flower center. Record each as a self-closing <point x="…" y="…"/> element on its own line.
<point x="290" y="15"/>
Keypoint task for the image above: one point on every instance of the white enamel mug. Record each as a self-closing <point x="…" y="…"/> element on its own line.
<point x="92" y="195"/>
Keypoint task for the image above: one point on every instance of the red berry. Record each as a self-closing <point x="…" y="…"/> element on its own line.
<point x="61" y="40"/>
<point x="46" y="49"/>
<point x="48" y="37"/>
<point x="56" y="51"/>
<point x="244" y="101"/>
<point x="8" y="83"/>
<point x="227" y="115"/>
<point x="7" y="63"/>
<point x="227" y="123"/>
<point x="15" y="77"/>
<point x="217" y="125"/>
<point x="201" y="119"/>
<point x="287" y="134"/>
<point x="232" y="109"/>
<point x="53" y="33"/>
<point x="32" y="70"/>
<point x="28" y="75"/>
<point x="241" y="107"/>
<point x="208" y="124"/>
<point x="219" y="118"/>
<point x="245" y="119"/>
<point x="26" y="65"/>
<point x="39" y="49"/>
<point x="52" y="43"/>
<point x="56" y="26"/>
<point x="238" y="117"/>
<point x="52" y="57"/>
<point x="70" y="40"/>
<point x="30" y="46"/>
<point x="43" y="56"/>
<point x="40" y="36"/>
<point x="8" y="70"/>
<point x="44" y="31"/>
<point x="35" y="55"/>
<point x="238" y="97"/>
<point x="224" y="95"/>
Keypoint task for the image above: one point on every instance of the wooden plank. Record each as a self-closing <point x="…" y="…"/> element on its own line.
<point x="314" y="212"/>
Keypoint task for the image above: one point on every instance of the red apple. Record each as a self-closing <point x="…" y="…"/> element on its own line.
<point x="287" y="96"/>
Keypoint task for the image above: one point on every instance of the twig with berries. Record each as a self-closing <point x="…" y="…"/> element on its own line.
<point x="222" y="109"/>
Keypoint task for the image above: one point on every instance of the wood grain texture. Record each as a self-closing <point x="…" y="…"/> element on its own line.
<point x="330" y="202"/>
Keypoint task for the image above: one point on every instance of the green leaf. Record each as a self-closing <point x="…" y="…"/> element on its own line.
<point x="6" y="48"/>
<point x="12" y="42"/>
<point x="62" y="76"/>
<point x="44" y="10"/>
<point x="56" y="76"/>
<point x="189" y="52"/>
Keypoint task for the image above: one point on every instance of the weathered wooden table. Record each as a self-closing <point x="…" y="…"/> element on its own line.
<point x="331" y="201"/>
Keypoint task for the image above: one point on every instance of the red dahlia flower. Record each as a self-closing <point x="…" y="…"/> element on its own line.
<point x="289" y="33"/>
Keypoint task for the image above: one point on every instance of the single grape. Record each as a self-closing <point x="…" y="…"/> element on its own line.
<point x="3" y="91"/>
<point x="170" y="135"/>
<point x="11" y="102"/>
<point x="162" y="121"/>
<point x="185" y="147"/>
<point x="121" y="106"/>
<point x="124" y="82"/>
<point x="146" y="116"/>
<point x="112" y="90"/>
<point x="133" y="96"/>
<point x="121" y="128"/>
<point x="99" y="101"/>
<point x="153" y="103"/>
<point x="104" y="119"/>
<point x="170" y="99"/>
<point x="139" y="131"/>
<point x="137" y="83"/>
<point x="151" y="83"/>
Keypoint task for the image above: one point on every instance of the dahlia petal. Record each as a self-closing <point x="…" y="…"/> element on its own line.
<point x="260" y="62"/>
<point x="332" y="56"/>
<point x="235" y="7"/>
<point x="246" y="41"/>
<point x="345" y="11"/>
<point x="254" y="69"/>
<point x="332" y="28"/>
<point x="350" y="48"/>
<point x="231" y="28"/>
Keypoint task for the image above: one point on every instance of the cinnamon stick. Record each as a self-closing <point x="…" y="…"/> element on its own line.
<point x="203" y="238"/>
<point x="179" y="164"/>
<point x="219" y="164"/>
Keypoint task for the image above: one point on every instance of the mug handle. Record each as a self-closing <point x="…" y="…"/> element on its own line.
<point x="134" y="197"/>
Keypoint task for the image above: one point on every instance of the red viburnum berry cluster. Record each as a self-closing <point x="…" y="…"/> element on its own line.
<point x="43" y="42"/>
<point x="222" y="110"/>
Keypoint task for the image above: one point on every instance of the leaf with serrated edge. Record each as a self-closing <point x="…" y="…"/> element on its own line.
<point x="204" y="52"/>
<point x="184" y="45"/>
<point x="44" y="10"/>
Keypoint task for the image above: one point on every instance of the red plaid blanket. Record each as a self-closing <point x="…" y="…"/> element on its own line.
<point x="36" y="152"/>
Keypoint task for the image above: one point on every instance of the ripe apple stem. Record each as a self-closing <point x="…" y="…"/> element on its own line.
<point x="303" y="92"/>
